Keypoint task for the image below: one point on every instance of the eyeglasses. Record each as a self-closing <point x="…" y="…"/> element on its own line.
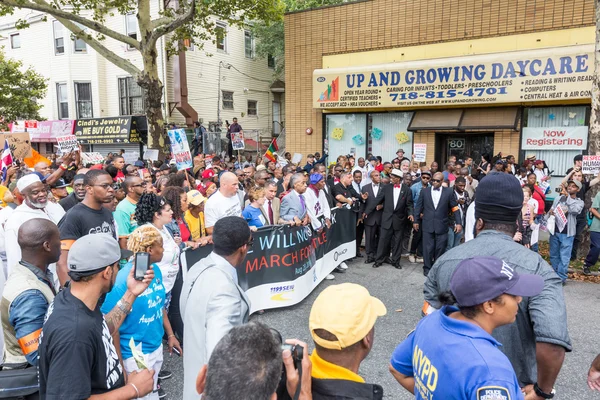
<point x="250" y="242"/>
<point x="106" y="186"/>
<point x="436" y="180"/>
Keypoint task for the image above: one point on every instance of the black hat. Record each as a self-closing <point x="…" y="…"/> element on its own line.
<point x="499" y="198"/>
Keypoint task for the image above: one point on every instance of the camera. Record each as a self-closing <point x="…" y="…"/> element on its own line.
<point x="297" y="356"/>
<point x="297" y="353"/>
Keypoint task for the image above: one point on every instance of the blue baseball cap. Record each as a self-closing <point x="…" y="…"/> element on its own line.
<point x="480" y="279"/>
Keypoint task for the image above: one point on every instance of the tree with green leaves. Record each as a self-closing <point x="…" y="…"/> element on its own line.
<point x="20" y="91"/>
<point x="270" y="33"/>
<point x="176" y="21"/>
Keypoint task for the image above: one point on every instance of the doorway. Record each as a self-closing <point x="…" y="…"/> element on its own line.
<point x="462" y="145"/>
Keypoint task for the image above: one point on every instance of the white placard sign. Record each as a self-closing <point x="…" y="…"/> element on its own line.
<point x="590" y="165"/>
<point x="131" y="157"/>
<point x="92" y="158"/>
<point x="151" y="154"/>
<point x="296" y="158"/>
<point x="555" y="138"/>
<point x="420" y="152"/>
<point x="67" y="144"/>
<point x="561" y="218"/>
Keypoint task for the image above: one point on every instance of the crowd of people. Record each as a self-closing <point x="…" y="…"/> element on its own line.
<point x="76" y="311"/>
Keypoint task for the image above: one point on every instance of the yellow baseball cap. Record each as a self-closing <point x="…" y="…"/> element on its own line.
<point x="347" y="311"/>
<point x="195" y="198"/>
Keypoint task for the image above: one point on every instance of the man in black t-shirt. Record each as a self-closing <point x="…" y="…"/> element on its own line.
<point x="78" y="193"/>
<point x="87" y="217"/>
<point x="77" y="356"/>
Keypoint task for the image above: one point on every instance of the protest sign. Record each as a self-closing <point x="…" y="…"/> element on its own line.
<point x="20" y="145"/>
<point x="151" y="154"/>
<point x="286" y="263"/>
<point x="180" y="149"/>
<point x="590" y="165"/>
<point x="296" y="158"/>
<point x="420" y="152"/>
<point x="237" y="141"/>
<point x="67" y="144"/>
<point x="560" y="217"/>
<point x="131" y="156"/>
<point x="91" y="158"/>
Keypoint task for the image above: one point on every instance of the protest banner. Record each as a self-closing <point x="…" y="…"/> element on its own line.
<point x="237" y="141"/>
<point x="420" y="152"/>
<point x="91" y="158"/>
<point x="180" y="149"/>
<point x="590" y="165"/>
<point x="151" y="154"/>
<point x="20" y="145"/>
<point x="287" y="263"/>
<point x="67" y="144"/>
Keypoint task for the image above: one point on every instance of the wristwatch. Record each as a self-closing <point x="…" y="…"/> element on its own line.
<point x="541" y="393"/>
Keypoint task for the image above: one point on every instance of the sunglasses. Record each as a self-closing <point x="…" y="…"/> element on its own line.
<point x="425" y="177"/>
<point x="436" y="180"/>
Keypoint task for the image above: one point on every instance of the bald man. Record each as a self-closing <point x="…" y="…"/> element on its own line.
<point x="29" y="290"/>
<point x="50" y="177"/>
<point x="224" y="202"/>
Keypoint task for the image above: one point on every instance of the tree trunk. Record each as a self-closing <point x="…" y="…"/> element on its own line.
<point x="153" y="90"/>
<point x="594" y="134"/>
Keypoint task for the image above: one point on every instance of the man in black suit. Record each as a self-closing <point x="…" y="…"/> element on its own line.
<point x="321" y="169"/>
<point x="431" y="212"/>
<point x="373" y="223"/>
<point x="337" y="173"/>
<point x="397" y="207"/>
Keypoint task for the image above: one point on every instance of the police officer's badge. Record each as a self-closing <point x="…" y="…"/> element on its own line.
<point x="493" y="393"/>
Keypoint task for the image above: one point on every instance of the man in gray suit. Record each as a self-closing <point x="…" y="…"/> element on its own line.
<point x="293" y="205"/>
<point x="212" y="302"/>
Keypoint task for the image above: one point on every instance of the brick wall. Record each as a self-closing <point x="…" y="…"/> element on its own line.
<point x="379" y="24"/>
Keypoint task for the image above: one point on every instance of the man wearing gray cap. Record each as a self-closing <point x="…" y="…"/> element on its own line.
<point x="77" y="354"/>
<point x="536" y="343"/>
<point x="35" y="205"/>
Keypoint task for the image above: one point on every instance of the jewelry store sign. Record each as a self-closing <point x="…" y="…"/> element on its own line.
<point x="563" y="73"/>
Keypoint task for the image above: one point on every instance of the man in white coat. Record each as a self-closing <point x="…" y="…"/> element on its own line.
<point x="35" y="205"/>
<point x="212" y="301"/>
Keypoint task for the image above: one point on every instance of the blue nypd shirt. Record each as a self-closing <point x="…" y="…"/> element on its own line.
<point x="452" y="360"/>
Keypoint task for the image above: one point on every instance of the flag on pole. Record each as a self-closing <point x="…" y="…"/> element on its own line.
<point x="7" y="159"/>
<point x="273" y="148"/>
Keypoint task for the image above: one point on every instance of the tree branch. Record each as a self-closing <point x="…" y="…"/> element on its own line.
<point x="42" y="6"/>
<point x="120" y="62"/>
<point x="155" y="23"/>
<point x="175" y="23"/>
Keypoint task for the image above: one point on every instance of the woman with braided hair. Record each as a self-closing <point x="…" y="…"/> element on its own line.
<point x="147" y="322"/>
<point x="154" y="211"/>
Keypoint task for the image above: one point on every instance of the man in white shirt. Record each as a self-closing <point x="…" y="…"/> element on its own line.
<point x="316" y="200"/>
<point x="35" y="205"/>
<point x="223" y="203"/>
<point x="366" y="178"/>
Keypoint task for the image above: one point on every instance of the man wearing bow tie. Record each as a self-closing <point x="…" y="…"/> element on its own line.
<point x="431" y="215"/>
<point x="397" y="207"/>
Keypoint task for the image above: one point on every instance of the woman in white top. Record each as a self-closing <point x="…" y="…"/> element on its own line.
<point x="154" y="210"/>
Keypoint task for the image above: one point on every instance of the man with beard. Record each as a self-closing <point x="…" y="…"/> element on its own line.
<point x="35" y="205"/>
<point x="78" y="193"/>
<point x="88" y="217"/>
<point x="124" y="214"/>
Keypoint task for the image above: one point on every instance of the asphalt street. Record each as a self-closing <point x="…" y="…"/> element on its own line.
<point x="401" y="292"/>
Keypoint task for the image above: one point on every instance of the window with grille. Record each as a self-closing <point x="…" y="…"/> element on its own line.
<point x="221" y="36"/>
<point x="249" y="44"/>
<point x="59" y="38"/>
<point x="131" y="28"/>
<point x="252" y="108"/>
<point x="63" y="101"/>
<point x="270" y="61"/>
<point x="83" y="100"/>
<point x="227" y="100"/>
<point x="131" y="97"/>
<point x="15" y="41"/>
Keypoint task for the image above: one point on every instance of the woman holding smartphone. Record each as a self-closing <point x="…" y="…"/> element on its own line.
<point x="146" y="322"/>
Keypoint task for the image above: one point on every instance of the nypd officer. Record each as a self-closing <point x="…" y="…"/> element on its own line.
<point x="452" y="353"/>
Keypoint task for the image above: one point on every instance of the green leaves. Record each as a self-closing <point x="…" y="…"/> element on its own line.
<point x="20" y="91"/>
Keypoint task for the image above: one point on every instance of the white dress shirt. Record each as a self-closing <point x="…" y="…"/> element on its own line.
<point x="397" y="191"/>
<point x="356" y="187"/>
<point x="436" y="195"/>
<point x="375" y="189"/>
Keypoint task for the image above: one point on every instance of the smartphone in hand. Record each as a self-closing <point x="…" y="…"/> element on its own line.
<point x="141" y="265"/>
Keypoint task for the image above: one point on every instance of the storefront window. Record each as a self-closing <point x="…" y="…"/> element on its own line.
<point x="347" y="134"/>
<point x="388" y="133"/>
<point x="559" y="121"/>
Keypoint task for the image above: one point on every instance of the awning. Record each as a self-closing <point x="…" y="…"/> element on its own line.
<point x="436" y="120"/>
<point x="490" y="118"/>
<point x="48" y="131"/>
<point x="468" y="118"/>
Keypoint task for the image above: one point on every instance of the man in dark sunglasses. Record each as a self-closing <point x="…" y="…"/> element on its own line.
<point x="434" y="205"/>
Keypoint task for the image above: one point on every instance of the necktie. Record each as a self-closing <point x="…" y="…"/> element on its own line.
<point x="302" y="203"/>
<point x="437" y="190"/>
<point x="271" y="213"/>
<point x="396" y="186"/>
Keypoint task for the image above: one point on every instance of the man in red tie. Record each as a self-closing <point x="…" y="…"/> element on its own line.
<point x="397" y="207"/>
<point x="272" y="204"/>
